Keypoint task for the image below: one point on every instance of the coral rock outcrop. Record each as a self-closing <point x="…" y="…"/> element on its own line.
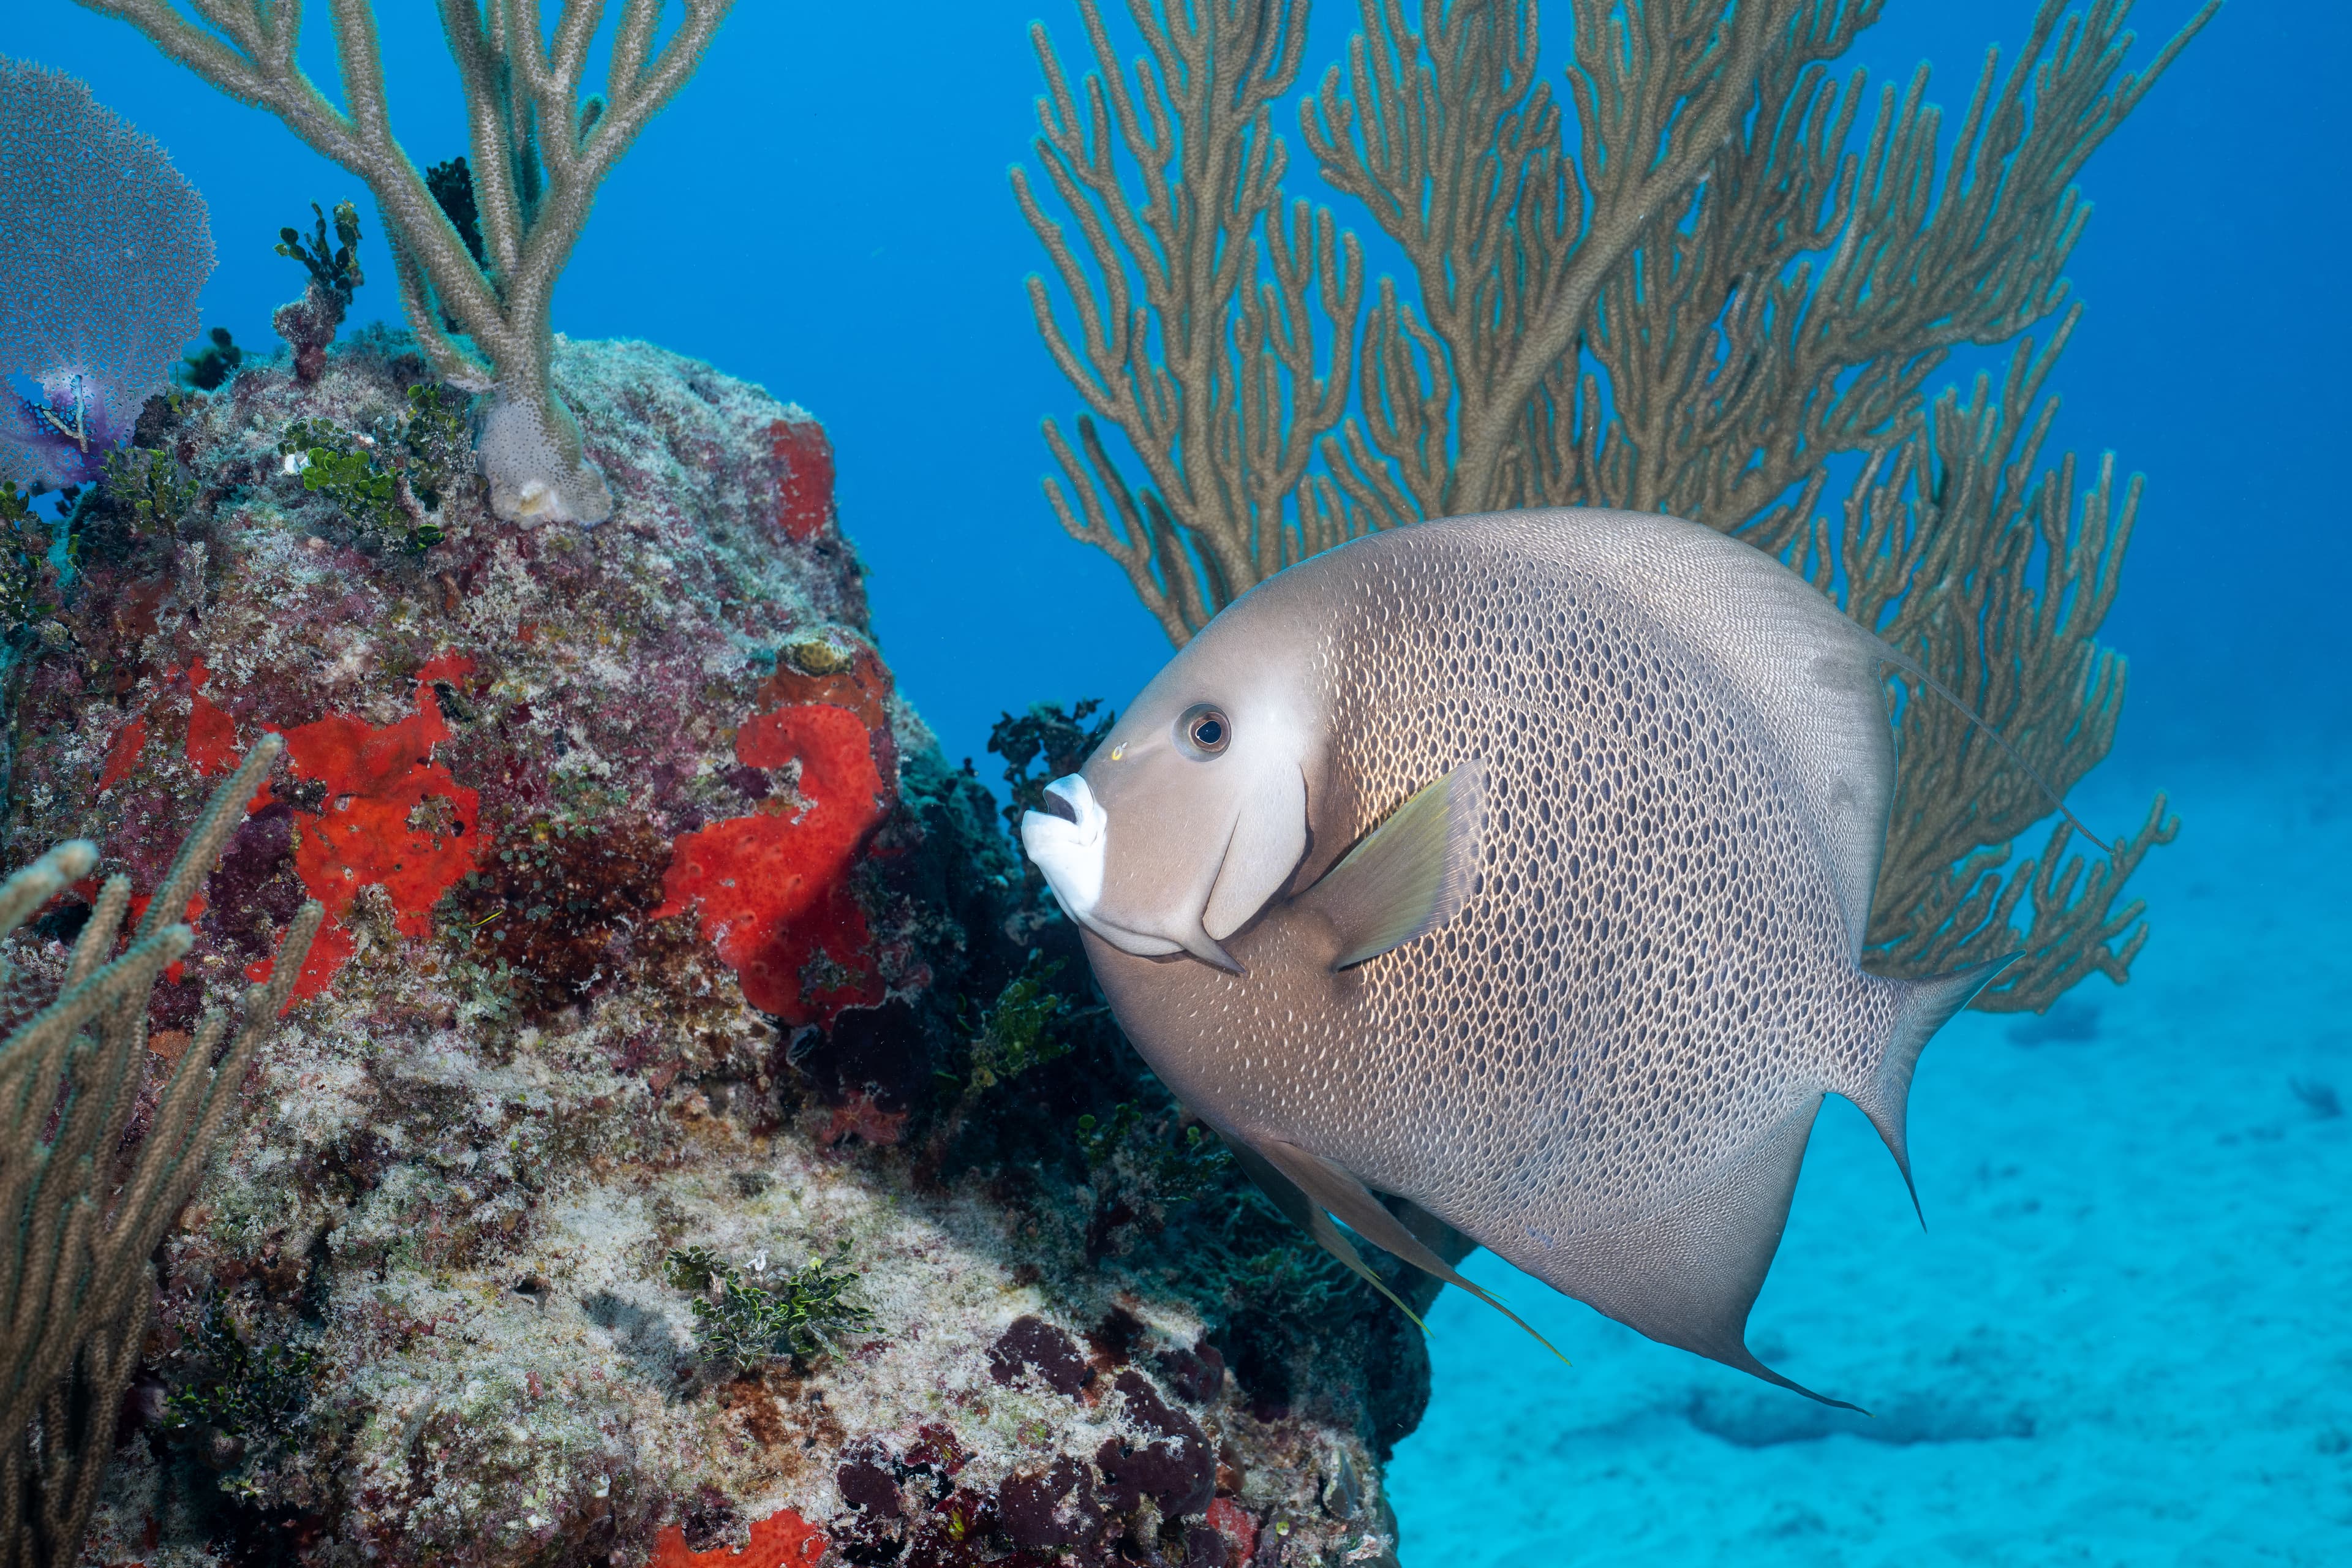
<point x="656" y="928"/>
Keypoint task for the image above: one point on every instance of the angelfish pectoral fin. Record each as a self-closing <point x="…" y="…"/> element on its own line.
<point x="1319" y="1190"/>
<point x="1411" y="874"/>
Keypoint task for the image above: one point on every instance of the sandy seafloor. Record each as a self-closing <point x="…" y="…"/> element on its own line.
<point x="2125" y="1336"/>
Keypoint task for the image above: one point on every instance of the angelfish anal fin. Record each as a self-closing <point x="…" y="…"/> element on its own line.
<point x="1411" y="874"/>
<point x="1687" y="1275"/>
<point x="1328" y="1190"/>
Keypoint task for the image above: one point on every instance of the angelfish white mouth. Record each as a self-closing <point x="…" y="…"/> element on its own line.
<point x="1068" y="840"/>
<point x="1069" y="848"/>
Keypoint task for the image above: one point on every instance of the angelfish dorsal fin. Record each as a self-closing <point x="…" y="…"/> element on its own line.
<point x="1411" y="874"/>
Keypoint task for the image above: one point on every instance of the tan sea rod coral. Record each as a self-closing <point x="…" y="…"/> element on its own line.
<point x="96" y="1161"/>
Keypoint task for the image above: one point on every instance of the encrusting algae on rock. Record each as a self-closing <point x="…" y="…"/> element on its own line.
<point x="655" y="927"/>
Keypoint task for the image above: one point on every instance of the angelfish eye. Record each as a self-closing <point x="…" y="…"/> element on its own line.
<point x="1203" y="730"/>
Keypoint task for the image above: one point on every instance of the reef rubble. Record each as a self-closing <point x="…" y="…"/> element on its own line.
<point x="658" y="929"/>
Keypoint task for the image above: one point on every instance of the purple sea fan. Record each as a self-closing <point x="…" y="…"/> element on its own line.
<point x="106" y="249"/>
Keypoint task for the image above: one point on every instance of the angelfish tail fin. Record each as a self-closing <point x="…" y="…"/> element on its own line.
<point x="1926" y="1006"/>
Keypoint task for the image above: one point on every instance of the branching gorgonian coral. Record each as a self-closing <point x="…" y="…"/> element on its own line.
<point x="106" y="249"/>
<point x="1715" y="275"/>
<point x="541" y="142"/>
<point x="80" y="1214"/>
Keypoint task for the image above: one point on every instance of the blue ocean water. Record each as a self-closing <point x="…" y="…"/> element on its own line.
<point x="2124" y="1337"/>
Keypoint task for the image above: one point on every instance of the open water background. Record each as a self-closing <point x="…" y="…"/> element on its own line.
<point x="2124" y="1336"/>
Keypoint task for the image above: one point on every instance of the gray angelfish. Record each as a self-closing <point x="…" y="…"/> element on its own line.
<point x="1517" y="867"/>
